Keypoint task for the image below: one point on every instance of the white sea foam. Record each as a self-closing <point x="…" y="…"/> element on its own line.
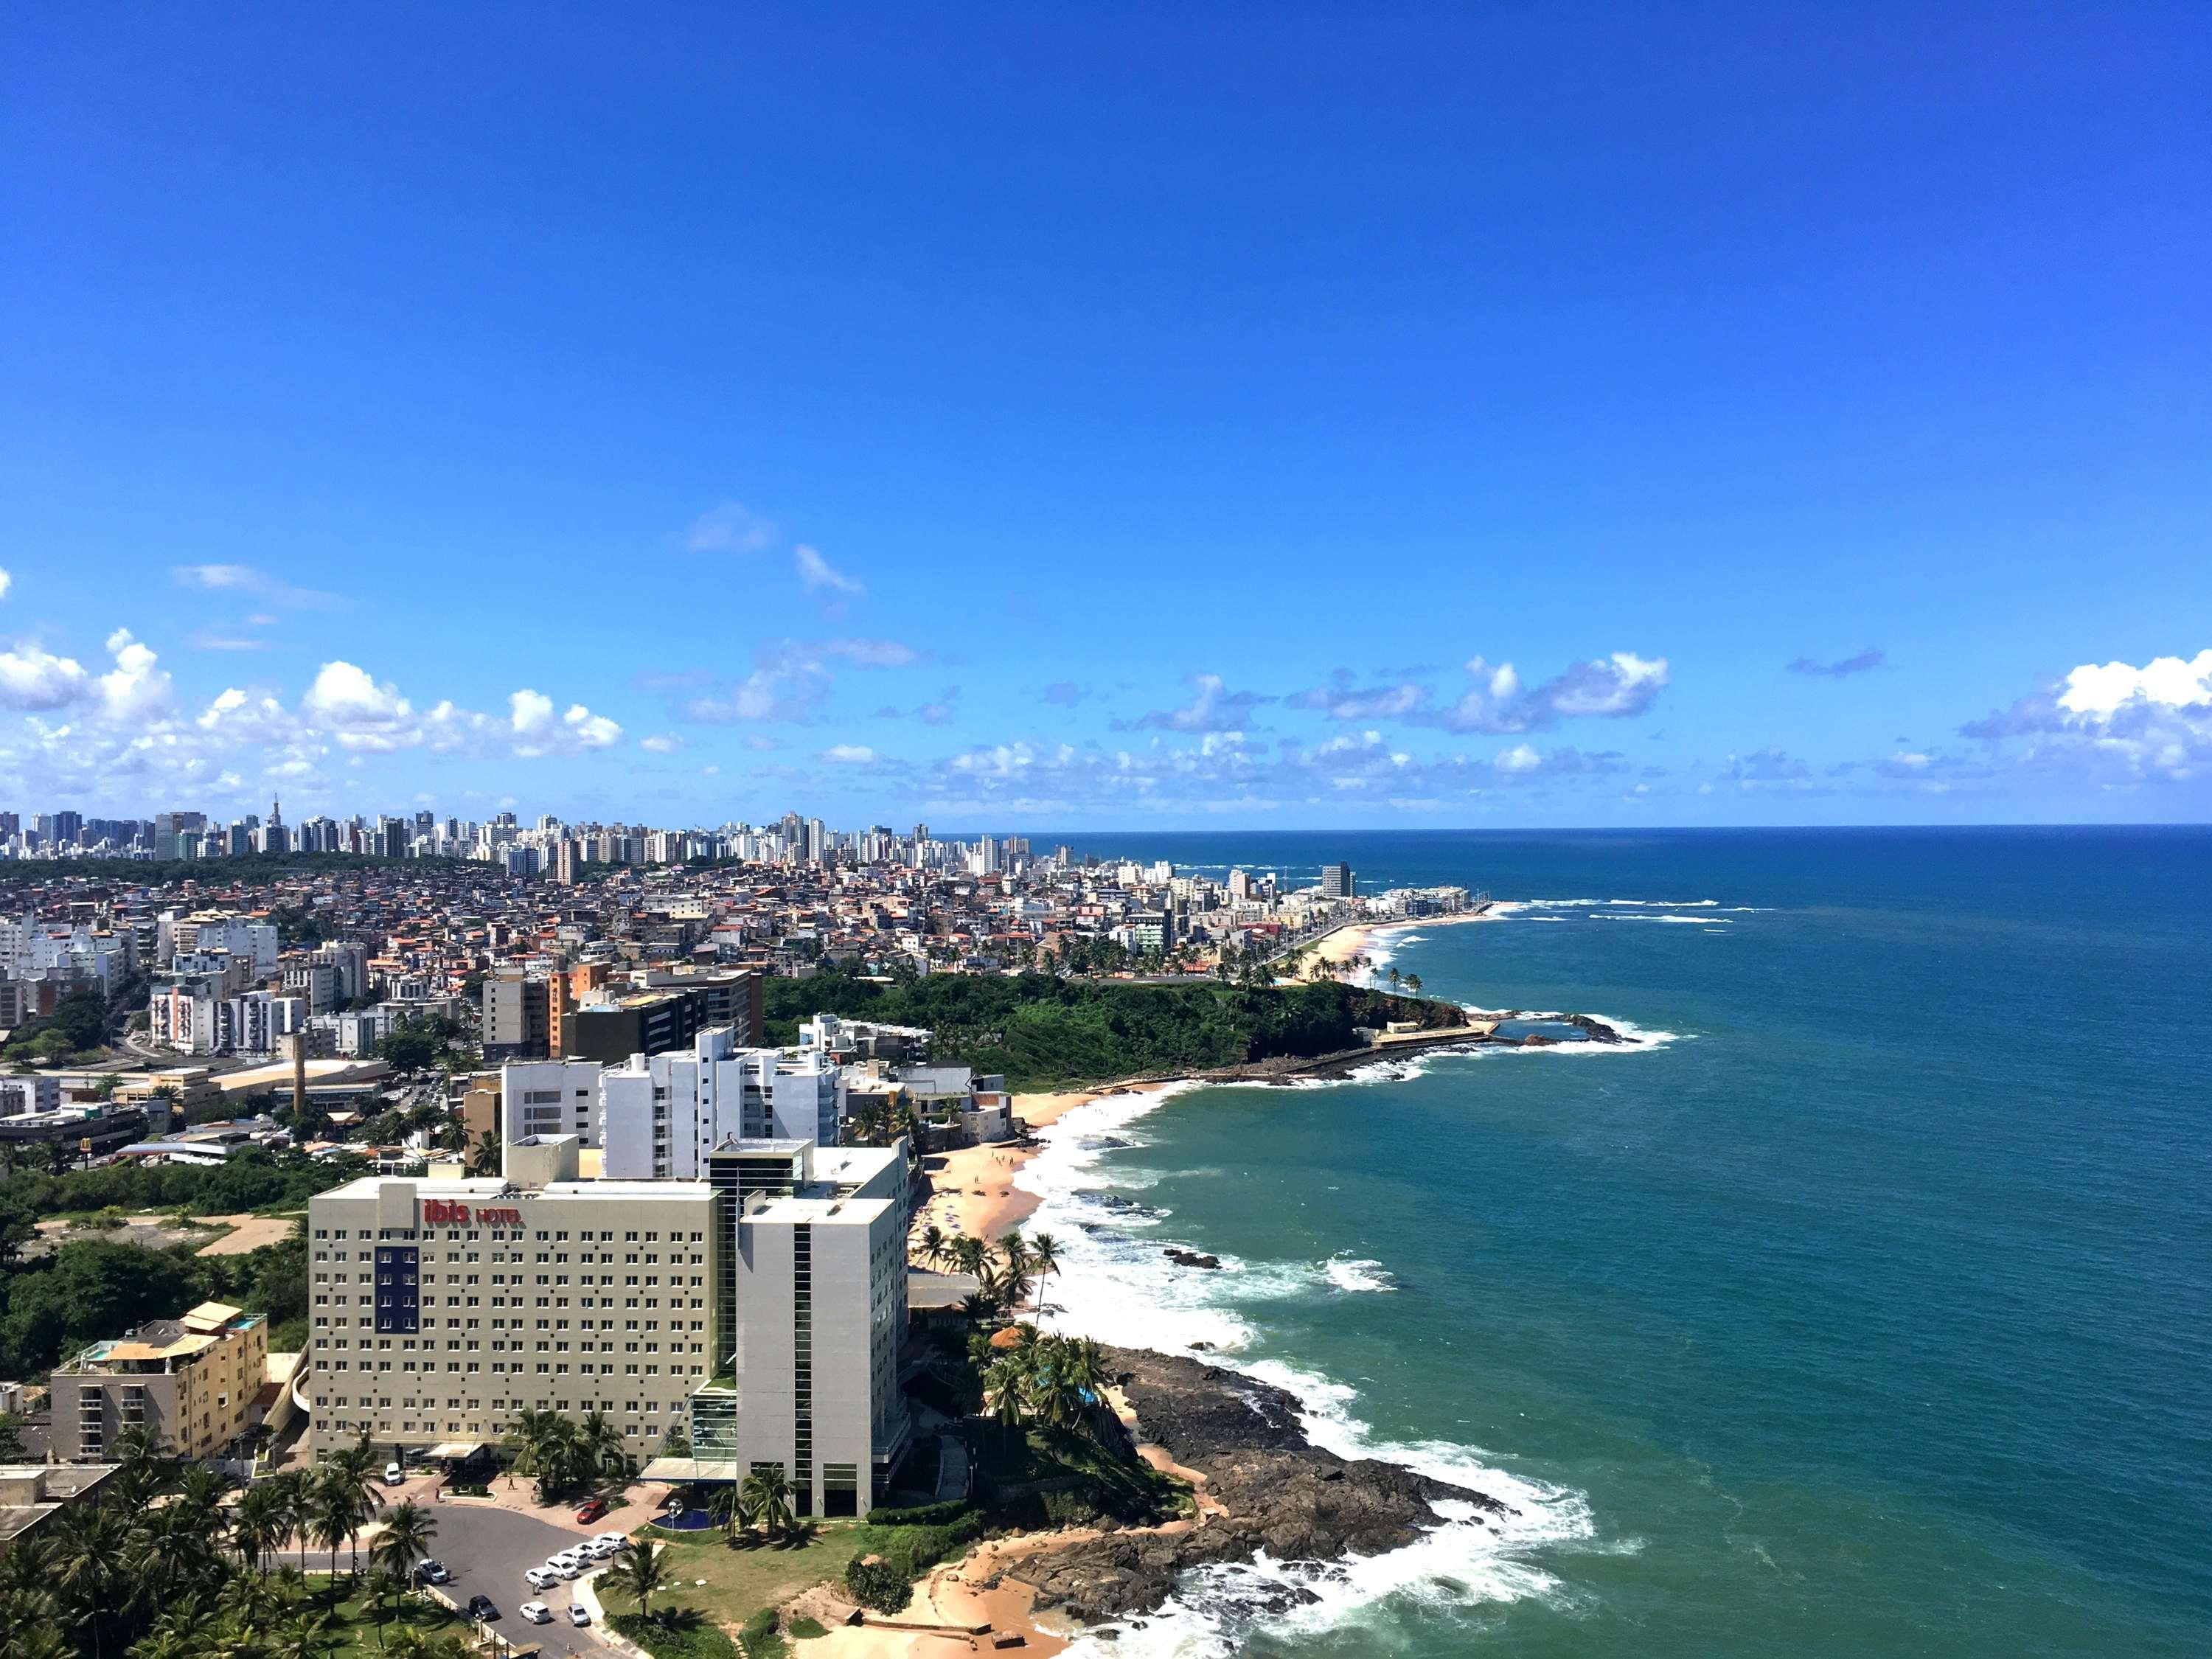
<point x="1473" y="1558"/>
<point x="1124" y="1290"/>
<point x="1358" y="1273"/>
<point x="1705" y="922"/>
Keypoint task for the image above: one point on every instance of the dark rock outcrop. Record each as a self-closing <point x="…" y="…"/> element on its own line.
<point x="1183" y="1258"/>
<point x="1282" y="1493"/>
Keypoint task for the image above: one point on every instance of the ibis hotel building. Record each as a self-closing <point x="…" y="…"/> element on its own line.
<point x="760" y="1309"/>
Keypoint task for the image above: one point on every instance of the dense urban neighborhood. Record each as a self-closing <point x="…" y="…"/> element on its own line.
<point x="385" y="1199"/>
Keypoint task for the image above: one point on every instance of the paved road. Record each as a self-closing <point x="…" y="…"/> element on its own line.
<point x="488" y="1550"/>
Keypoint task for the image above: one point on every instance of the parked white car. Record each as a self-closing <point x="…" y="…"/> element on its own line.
<point x="537" y="1613"/>
<point x="600" y="1550"/>
<point x="561" y="1566"/>
<point x="541" y="1578"/>
<point x="578" y="1615"/>
<point x="394" y="1475"/>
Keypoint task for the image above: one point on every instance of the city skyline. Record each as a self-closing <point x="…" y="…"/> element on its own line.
<point x="1037" y="427"/>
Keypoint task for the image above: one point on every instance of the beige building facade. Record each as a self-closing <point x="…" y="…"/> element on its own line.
<point x="190" y="1380"/>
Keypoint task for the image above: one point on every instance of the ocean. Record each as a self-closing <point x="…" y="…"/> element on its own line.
<point x="1858" y="1305"/>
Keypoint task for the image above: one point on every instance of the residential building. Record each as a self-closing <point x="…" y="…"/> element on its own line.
<point x="190" y="1380"/>
<point x="514" y="1015"/>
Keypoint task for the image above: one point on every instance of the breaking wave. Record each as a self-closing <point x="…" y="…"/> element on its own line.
<point x="1127" y="1292"/>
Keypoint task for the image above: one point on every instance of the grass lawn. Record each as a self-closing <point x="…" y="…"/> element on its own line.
<point x="740" y="1582"/>
<point x="354" y="1621"/>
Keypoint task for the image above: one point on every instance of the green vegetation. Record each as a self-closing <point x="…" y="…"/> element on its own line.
<point x="78" y="1027"/>
<point x="807" y="1629"/>
<point x="420" y="1045"/>
<point x="158" y="1565"/>
<point x="246" y="870"/>
<point x="569" y="1457"/>
<point x="257" y="1179"/>
<point x="758" y="1637"/>
<point x="91" y="1289"/>
<point x="1041" y="1031"/>
<point x="683" y="1634"/>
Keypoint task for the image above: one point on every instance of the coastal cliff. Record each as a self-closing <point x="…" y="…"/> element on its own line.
<point x="1268" y="1488"/>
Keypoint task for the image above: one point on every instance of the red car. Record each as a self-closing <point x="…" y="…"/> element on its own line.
<point x="593" y="1510"/>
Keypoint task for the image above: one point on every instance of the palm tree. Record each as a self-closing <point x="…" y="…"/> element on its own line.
<point x="308" y="1639"/>
<point x="259" y="1523"/>
<point x="545" y="1449"/>
<point x="1413" y="983"/>
<point x="1044" y="1257"/>
<point x="346" y="1498"/>
<point x="1003" y="1386"/>
<point x="640" y="1574"/>
<point x="1394" y="979"/>
<point x="89" y="1541"/>
<point x="768" y="1494"/>
<point x="294" y="1503"/>
<point x="599" y="1455"/>
<point x="731" y="1511"/>
<point x="486" y="1156"/>
<point x="145" y="1456"/>
<point x="933" y="1245"/>
<point x="971" y="1256"/>
<point x="405" y="1540"/>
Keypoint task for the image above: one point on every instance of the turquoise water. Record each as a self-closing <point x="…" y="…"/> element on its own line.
<point x="1861" y="1308"/>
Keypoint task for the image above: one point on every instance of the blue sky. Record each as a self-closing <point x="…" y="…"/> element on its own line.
<point x="1274" y="415"/>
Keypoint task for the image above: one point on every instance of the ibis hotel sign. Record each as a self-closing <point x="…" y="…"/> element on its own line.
<point x="451" y="1212"/>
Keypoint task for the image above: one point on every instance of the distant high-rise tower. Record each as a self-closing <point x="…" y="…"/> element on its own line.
<point x="1336" y="881"/>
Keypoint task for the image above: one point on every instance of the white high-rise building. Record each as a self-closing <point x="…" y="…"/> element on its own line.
<point x="550" y="1097"/>
<point x="661" y="1116"/>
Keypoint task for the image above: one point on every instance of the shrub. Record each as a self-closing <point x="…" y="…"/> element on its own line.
<point x="674" y="1637"/>
<point x="876" y="1584"/>
<point x="920" y="1515"/>
<point x="758" y="1638"/>
<point x="807" y="1629"/>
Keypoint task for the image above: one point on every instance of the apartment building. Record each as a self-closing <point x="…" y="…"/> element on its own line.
<point x="662" y="1115"/>
<point x="189" y="1379"/>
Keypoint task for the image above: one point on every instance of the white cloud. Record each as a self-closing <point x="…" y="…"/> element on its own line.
<point x="7" y="581"/>
<point x="1611" y="687"/>
<point x="138" y="689"/>
<point x="33" y="679"/>
<point x="818" y="574"/>
<point x="1212" y="708"/>
<point x="661" y="743"/>
<point x="849" y="754"/>
<point x="731" y="527"/>
<point x="2098" y="693"/>
<point x="535" y="730"/>
<point x="244" y="579"/>
<point x="362" y="712"/>
<point x="1521" y="758"/>
<point x="2113" y="724"/>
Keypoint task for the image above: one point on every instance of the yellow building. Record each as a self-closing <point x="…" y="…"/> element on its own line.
<point x="190" y="1380"/>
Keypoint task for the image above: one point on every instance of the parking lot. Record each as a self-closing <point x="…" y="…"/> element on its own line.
<point x="488" y="1550"/>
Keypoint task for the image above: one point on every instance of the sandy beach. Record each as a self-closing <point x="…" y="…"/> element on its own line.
<point x="1338" y="949"/>
<point x="974" y="1194"/>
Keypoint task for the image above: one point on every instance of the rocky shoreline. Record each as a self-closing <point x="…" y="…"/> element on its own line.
<point x="1269" y="1489"/>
